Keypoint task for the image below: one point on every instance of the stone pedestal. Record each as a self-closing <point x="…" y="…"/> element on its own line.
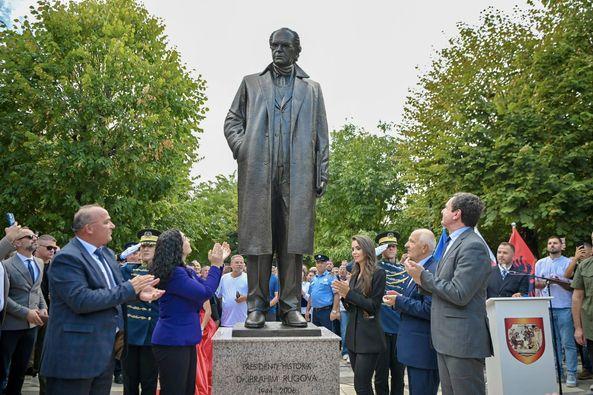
<point x="276" y="365"/>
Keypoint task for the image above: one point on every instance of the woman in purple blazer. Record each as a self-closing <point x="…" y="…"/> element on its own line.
<point x="178" y="330"/>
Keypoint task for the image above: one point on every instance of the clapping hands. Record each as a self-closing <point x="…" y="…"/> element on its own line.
<point x="414" y="270"/>
<point x="219" y="253"/>
<point x="144" y="287"/>
<point x="341" y="288"/>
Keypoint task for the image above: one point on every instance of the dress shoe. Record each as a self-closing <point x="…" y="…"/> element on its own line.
<point x="117" y="379"/>
<point x="295" y="319"/>
<point x="255" y="319"/>
<point x="585" y="375"/>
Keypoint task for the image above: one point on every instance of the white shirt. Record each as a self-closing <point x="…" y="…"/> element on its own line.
<point x="91" y="250"/>
<point x="232" y="312"/>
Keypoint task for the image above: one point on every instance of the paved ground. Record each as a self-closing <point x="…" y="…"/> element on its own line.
<point x="346" y="384"/>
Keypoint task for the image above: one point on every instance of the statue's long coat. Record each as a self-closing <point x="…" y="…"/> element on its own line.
<point x="248" y="129"/>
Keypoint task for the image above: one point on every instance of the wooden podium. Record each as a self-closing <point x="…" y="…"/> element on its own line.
<point x="523" y="361"/>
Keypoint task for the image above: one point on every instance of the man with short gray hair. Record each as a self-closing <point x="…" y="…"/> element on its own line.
<point x="458" y="288"/>
<point x="414" y="347"/>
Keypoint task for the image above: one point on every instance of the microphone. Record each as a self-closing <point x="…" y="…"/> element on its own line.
<point x="516" y="273"/>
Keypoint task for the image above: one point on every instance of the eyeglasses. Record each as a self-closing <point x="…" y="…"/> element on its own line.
<point x="51" y="248"/>
<point x="30" y="237"/>
<point x="146" y="245"/>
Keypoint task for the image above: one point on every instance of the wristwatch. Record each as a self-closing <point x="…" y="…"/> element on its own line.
<point x="334" y="311"/>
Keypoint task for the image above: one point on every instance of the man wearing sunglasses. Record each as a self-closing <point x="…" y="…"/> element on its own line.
<point x="26" y="311"/>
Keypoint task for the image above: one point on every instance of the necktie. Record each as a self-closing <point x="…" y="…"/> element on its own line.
<point x="447" y="241"/>
<point x="110" y="281"/>
<point x="31" y="270"/>
<point x="504" y="273"/>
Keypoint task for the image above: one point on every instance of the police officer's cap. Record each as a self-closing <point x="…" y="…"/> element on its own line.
<point x="388" y="237"/>
<point x="148" y="236"/>
<point x="321" y="258"/>
<point x="129" y="244"/>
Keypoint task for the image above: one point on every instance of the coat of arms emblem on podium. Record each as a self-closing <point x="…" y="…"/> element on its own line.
<point x="525" y="338"/>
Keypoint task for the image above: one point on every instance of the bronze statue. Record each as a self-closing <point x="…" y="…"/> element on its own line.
<point x="277" y="130"/>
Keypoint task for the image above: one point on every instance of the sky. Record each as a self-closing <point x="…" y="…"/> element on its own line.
<point x="366" y="55"/>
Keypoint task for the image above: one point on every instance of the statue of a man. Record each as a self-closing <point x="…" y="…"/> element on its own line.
<point x="277" y="130"/>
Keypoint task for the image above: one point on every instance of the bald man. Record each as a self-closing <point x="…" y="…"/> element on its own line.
<point x="414" y="349"/>
<point x="87" y="309"/>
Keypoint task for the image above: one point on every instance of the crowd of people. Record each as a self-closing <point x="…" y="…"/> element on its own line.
<point x="82" y="317"/>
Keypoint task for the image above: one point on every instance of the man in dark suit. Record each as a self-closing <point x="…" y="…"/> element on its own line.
<point x="459" y="332"/>
<point x="25" y="311"/>
<point x="502" y="283"/>
<point x="414" y="348"/>
<point x="87" y="292"/>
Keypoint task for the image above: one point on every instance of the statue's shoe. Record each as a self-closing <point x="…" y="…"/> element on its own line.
<point x="295" y="319"/>
<point x="255" y="319"/>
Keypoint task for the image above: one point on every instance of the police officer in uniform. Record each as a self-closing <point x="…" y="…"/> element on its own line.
<point x="322" y="299"/>
<point x="139" y="366"/>
<point x="396" y="280"/>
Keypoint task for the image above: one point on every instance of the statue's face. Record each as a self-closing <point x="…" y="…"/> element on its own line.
<point x="284" y="51"/>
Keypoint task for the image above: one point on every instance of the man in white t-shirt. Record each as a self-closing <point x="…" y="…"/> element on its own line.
<point x="233" y="292"/>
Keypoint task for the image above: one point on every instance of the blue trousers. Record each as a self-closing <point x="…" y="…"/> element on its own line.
<point x="321" y="318"/>
<point x="343" y="326"/>
<point x="565" y="343"/>
<point x="423" y="381"/>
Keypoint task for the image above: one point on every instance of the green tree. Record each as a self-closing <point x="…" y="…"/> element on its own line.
<point x="94" y="107"/>
<point x="209" y="215"/>
<point x="364" y="193"/>
<point x="505" y="112"/>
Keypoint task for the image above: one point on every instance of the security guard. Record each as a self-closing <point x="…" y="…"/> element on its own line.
<point x="138" y="364"/>
<point x="321" y="295"/>
<point x="396" y="280"/>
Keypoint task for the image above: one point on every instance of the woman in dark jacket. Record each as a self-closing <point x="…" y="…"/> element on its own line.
<point x="178" y="330"/>
<point x="362" y="298"/>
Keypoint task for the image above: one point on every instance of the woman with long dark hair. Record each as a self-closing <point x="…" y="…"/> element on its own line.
<point x="178" y="330"/>
<point x="362" y="298"/>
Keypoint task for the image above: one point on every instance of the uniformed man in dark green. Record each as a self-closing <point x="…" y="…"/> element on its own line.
<point x="138" y="364"/>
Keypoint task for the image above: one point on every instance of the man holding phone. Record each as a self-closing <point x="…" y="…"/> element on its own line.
<point x="233" y="292"/>
<point x="583" y="251"/>
<point x="6" y="248"/>
<point x="26" y="310"/>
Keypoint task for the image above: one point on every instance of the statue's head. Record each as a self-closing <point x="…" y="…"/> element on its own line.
<point x="286" y="47"/>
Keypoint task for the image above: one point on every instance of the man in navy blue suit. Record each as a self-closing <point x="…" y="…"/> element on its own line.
<point x="414" y="347"/>
<point x="87" y="308"/>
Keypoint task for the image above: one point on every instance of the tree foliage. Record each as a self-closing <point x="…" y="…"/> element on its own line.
<point x="505" y="112"/>
<point x="209" y="215"/>
<point x="94" y="107"/>
<point x="364" y="192"/>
